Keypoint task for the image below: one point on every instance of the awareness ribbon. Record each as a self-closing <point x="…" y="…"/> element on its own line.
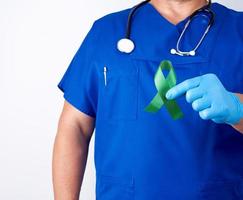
<point x="163" y="85"/>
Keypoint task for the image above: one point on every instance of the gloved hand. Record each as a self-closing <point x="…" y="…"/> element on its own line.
<point x="209" y="97"/>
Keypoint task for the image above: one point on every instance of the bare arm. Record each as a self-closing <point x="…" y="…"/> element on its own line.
<point x="70" y="152"/>
<point x="239" y="126"/>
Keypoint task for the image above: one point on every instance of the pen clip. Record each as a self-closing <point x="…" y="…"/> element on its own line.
<point x="105" y="78"/>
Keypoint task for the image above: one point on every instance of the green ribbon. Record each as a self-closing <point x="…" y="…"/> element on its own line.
<point x="163" y="85"/>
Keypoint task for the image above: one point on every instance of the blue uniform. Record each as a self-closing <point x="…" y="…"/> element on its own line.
<point x="144" y="156"/>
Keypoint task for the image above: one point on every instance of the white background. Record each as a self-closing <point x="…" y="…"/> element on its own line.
<point x="37" y="41"/>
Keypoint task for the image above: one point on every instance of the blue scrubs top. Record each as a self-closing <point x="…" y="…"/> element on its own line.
<point x="144" y="156"/>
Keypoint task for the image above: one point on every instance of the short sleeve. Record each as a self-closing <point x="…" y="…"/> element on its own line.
<point x="76" y="83"/>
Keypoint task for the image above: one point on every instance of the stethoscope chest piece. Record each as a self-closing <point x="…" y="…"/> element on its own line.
<point x="125" y="45"/>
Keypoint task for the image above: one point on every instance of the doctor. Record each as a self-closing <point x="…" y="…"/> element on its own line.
<point x="141" y="155"/>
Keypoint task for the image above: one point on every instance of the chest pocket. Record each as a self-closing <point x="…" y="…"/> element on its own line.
<point x="118" y="91"/>
<point x="185" y="68"/>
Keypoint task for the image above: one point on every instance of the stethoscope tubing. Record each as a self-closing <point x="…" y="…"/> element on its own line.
<point x="131" y="14"/>
<point x="126" y="45"/>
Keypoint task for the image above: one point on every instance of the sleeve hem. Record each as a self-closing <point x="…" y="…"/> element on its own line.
<point x="82" y="108"/>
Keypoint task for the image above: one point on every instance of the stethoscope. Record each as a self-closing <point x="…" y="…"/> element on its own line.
<point x="126" y="45"/>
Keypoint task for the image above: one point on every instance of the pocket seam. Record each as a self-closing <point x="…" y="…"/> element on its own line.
<point x="114" y="72"/>
<point x="128" y="116"/>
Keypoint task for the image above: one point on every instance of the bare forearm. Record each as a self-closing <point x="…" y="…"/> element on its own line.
<point x="239" y="126"/>
<point x="69" y="161"/>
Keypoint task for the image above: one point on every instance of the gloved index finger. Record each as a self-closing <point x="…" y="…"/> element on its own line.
<point x="183" y="87"/>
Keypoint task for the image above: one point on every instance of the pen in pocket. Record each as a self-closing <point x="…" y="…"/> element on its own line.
<point x="105" y="71"/>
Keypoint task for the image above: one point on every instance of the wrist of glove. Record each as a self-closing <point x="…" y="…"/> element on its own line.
<point x="236" y="112"/>
<point x="208" y="96"/>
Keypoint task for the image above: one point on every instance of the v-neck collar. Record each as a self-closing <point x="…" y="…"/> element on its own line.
<point x="154" y="36"/>
<point x="164" y="20"/>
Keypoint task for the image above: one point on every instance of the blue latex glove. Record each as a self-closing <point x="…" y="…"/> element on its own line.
<point x="209" y="97"/>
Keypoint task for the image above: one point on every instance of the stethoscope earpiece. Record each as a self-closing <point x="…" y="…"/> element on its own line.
<point x="173" y="51"/>
<point x="192" y="53"/>
<point x="125" y="45"/>
<point x="176" y="52"/>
